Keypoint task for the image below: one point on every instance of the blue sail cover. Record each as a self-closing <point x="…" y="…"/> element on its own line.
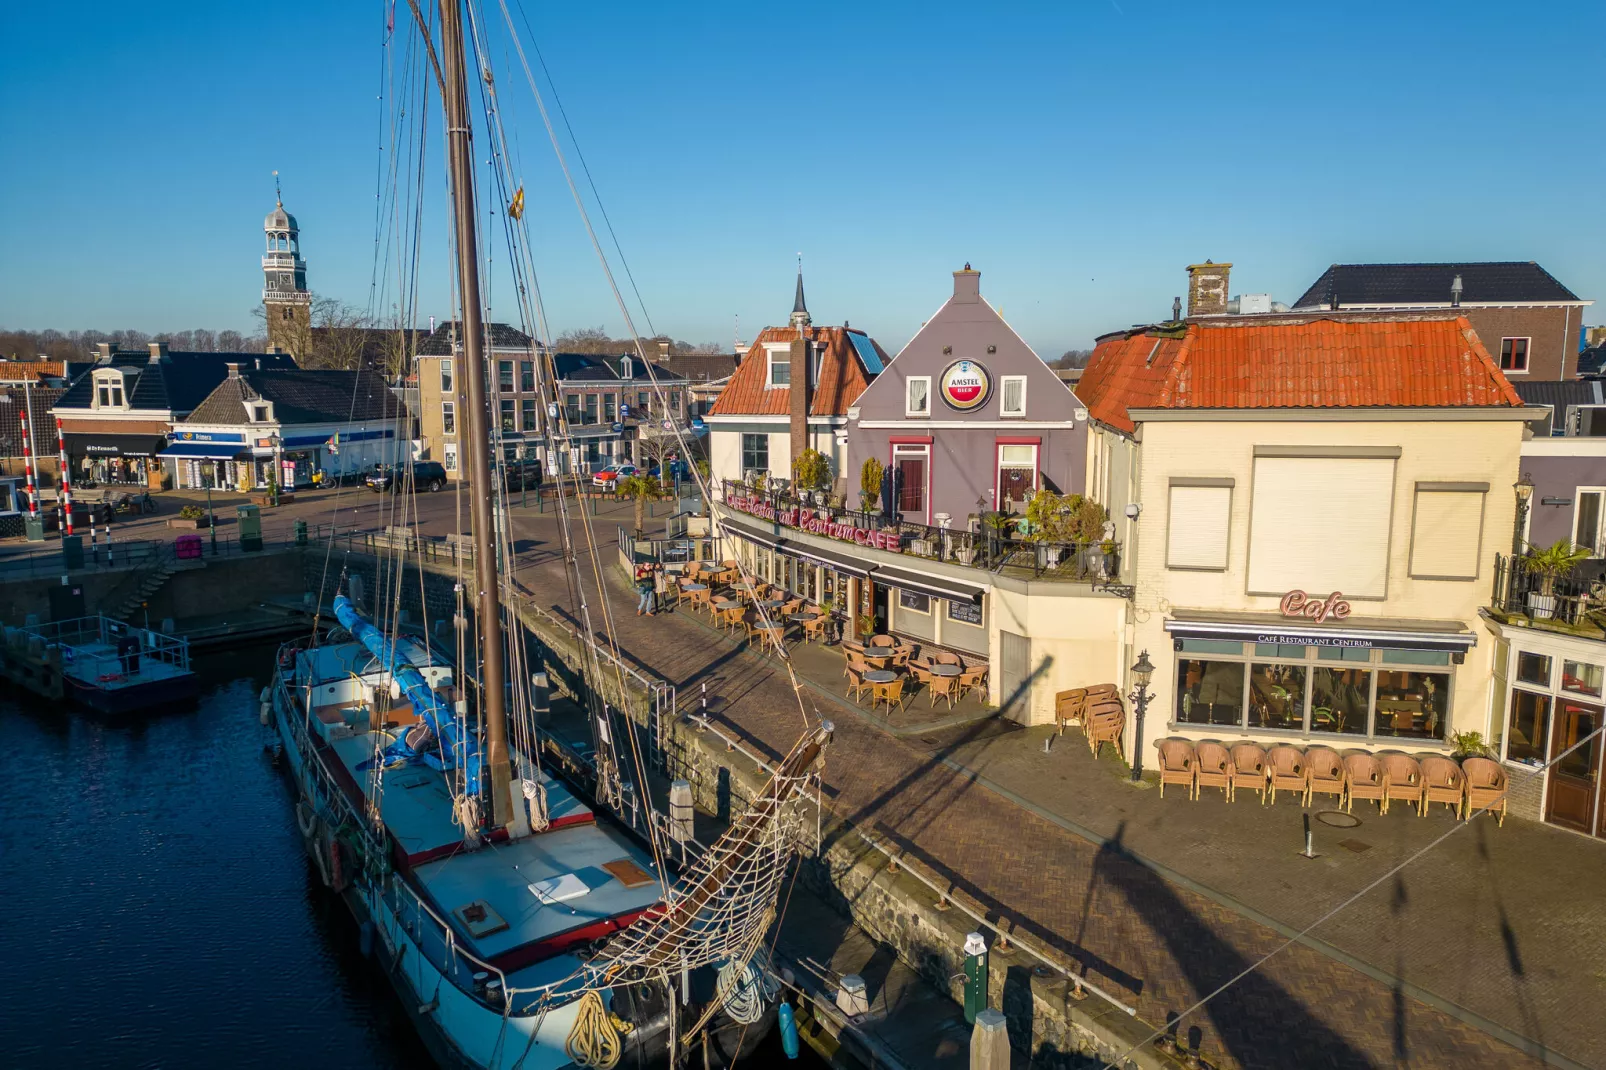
<point x="463" y="748"/>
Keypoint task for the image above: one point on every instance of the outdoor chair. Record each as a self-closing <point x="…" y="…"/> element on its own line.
<point x="1213" y="768"/>
<point x="1106" y="728"/>
<point x="885" y="641"/>
<point x="921" y="671"/>
<point x="1442" y="782"/>
<point x="792" y="608"/>
<point x="1069" y="708"/>
<point x="891" y="693"/>
<point x="1402" y="779"/>
<point x="945" y="687"/>
<point x="1366" y="781"/>
<point x="1324" y="771"/>
<point x="972" y="679"/>
<point x="1103" y="689"/>
<point x="731" y="616"/>
<point x="699" y="599"/>
<point x="1249" y="769"/>
<point x="946" y="657"/>
<point x="1287" y="766"/>
<point x="1177" y="764"/>
<point x="1486" y="787"/>
<point x="814" y="628"/>
<point x="856" y="684"/>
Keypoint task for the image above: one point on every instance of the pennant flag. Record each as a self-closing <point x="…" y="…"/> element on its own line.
<point x="516" y="209"/>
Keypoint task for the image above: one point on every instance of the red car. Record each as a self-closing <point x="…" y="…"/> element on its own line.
<point x="609" y="477"/>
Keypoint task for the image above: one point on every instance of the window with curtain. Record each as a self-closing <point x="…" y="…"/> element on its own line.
<point x="1017" y="473"/>
<point x="446" y="376"/>
<point x="917" y="396"/>
<point x="448" y="418"/>
<point x="1012" y="396"/>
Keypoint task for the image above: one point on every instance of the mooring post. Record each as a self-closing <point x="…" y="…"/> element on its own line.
<point x="989" y="1042"/>
<point x="852" y="998"/>
<point x="975" y="976"/>
<point x="680" y="812"/>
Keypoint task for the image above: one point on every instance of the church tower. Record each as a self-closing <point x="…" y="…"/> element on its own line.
<point x="285" y="296"/>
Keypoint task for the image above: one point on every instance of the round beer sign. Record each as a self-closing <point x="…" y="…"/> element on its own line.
<point x="965" y="385"/>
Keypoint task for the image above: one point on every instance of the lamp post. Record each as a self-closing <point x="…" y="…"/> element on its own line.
<point x="1141" y="672"/>
<point x="1524" y="489"/>
<point x="211" y="521"/>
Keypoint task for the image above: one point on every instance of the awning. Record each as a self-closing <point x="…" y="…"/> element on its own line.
<point x="217" y="451"/>
<point x="930" y="586"/>
<point x="81" y="445"/>
<point x="752" y="534"/>
<point x="841" y="562"/>
<point x="1362" y="633"/>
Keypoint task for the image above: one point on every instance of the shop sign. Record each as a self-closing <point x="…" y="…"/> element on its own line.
<point x="792" y="517"/>
<point x="1320" y="640"/>
<point x="94" y="448"/>
<point x="205" y="436"/>
<point x="965" y="385"/>
<point x="1299" y="604"/>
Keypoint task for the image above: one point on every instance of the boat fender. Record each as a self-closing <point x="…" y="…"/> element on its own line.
<point x="365" y="939"/>
<point x="263" y="711"/>
<point x="287" y="657"/>
<point x="788" y="1030"/>
<point x="306" y="819"/>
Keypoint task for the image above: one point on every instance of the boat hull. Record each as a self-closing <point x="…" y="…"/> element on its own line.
<point x="135" y="697"/>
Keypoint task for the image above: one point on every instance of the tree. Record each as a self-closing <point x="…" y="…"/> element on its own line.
<point x="1072" y="358"/>
<point x="811" y="470"/>
<point x="642" y="489"/>
<point x="870" y="477"/>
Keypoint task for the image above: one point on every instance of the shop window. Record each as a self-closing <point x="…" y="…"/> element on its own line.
<point x="1343" y="653"/>
<point x="449" y="456"/>
<point x="446" y="377"/>
<point x="755" y="453"/>
<point x="1277" y="696"/>
<point x="1581" y="677"/>
<point x="1525" y="731"/>
<point x="1012" y="395"/>
<point x="1279" y="650"/>
<point x="527" y="414"/>
<point x="1514" y="354"/>
<point x="1340" y="699"/>
<point x="1210" y="692"/>
<point x="448" y="418"/>
<point x="527" y="376"/>
<point x="1198" y="525"/>
<point x="1412" y="704"/>
<point x="911" y="602"/>
<point x="1533" y="669"/>
<point x="917" y="396"/>
<point x="508" y="423"/>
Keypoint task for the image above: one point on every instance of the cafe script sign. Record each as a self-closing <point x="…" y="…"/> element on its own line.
<point x="792" y="517"/>
<point x="1300" y="604"/>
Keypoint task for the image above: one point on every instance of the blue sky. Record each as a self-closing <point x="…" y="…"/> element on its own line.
<point x="1078" y="154"/>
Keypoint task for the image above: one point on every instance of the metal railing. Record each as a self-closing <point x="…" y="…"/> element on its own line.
<point x="82" y="631"/>
<point x="1522" y="589"/>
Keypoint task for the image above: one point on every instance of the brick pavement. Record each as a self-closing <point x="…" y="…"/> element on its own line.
<point x="1158" y="943"/>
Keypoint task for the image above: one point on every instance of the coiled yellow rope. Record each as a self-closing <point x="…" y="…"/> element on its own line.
<point x="594" y="1040"/>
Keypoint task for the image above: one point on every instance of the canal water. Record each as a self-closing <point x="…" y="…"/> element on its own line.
<point x="158" y="908"/>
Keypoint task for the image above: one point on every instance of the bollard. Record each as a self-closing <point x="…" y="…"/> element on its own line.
<point x="705" y="698"/>
<point x="989" y="1042"/>
<point x="680" y="811"/>
<point x="1310" y="850"/>
<point x="975" y="976"/>
<point x="852" y="999"/>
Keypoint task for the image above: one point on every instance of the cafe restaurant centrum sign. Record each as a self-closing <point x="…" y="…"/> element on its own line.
<point x="965" y="385"/>
<point x="792" y="517"/>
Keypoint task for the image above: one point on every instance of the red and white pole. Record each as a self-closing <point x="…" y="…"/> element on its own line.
<point x="27" y="463"/>
<point x="66" y="480"/>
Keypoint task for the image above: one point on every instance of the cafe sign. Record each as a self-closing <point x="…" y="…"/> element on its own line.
<point x="1300" y="604"/>
<point x="965" y="385"/>
<point x="792" y="517"/>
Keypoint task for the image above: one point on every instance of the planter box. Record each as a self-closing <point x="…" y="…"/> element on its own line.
<point x="187" y="524"/>
<point x="267" y="501"/>
<point x="1541" y="606"/>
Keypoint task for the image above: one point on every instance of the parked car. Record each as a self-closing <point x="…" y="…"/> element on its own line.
<point x="429" y="475"/>
<point x="677" y="470"/>
<point x="609" y="478"/>
<point x="516" y="475"/>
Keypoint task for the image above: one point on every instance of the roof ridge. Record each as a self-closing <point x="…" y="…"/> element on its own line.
<point x="1481" y="352"/>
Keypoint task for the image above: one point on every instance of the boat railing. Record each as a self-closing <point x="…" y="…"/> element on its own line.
<point x="79" y="632"/>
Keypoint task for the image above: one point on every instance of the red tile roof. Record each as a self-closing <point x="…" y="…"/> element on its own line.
<point x="1293" y="362"/>
<point x="842" y="376"/>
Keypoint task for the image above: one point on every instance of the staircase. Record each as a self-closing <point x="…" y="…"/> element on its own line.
<point x="138" y="589"/>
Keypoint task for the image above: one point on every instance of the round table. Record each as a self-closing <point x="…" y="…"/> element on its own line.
<point x="771" y="603"/>
<point x="880" y="676"/>
<point x="942" y="668"/>
<point x="694" y="587"/>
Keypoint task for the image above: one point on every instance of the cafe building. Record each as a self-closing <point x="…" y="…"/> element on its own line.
<point x="967" y="418"/>
<point x="1313" y="505"/>
<point x="117" y="416"/>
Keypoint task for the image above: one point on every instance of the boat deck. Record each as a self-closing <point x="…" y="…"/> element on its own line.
<point x="98" y="665"/>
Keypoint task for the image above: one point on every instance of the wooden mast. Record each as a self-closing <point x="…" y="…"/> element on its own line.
<point x="487" y="610"/>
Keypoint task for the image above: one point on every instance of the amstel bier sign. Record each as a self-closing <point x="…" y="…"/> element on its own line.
<point x="965" y="385"/>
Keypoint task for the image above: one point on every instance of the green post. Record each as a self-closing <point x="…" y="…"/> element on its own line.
<point x="975" y="976"/>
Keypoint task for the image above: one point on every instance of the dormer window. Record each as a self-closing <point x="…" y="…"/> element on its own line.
<point x="259" y="412"/>
<point x="779" y="371"/>
<point x="109" y="390"/>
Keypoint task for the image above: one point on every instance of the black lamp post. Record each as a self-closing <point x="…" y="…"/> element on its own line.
<point x="211" y="521"/>
<point x="1524" y="488"/>
<point x="1141" y="672"/>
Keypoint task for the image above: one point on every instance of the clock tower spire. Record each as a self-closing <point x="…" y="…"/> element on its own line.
<point x="285" y="297"/>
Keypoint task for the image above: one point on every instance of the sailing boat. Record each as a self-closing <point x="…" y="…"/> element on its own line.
<point x="521" y="923"/>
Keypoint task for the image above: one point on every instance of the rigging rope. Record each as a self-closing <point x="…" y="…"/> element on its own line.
<point x="593" y="1040"/>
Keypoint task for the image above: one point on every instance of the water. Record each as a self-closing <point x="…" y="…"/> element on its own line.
<point x="159" y="910"/>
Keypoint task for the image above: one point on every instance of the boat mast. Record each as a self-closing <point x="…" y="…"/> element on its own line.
<point x="487" y="611"/>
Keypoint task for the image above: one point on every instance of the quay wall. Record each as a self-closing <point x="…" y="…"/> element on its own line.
<point x="219" y="585"/>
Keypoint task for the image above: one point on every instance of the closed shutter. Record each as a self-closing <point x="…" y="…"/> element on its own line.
<point x="1446" y="533"/>
<point x="1321" y="524"/>
<point x="1197" y="529"/>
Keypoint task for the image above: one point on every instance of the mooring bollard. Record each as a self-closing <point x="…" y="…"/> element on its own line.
<point x="680" y="811"/>
<point x="989" y="1042"/>
<point x="1310" y="850"/>
<point x="975" y="976"/>
<point x="852" y="999"/>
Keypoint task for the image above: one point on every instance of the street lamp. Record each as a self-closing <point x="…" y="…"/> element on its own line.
<point x="1141" y="672"/>
<point x="211" y="521"/>
<point x="1524" y="489"/>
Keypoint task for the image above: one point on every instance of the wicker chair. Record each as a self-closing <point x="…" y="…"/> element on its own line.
<point x="1324" y="773"/>
<point x="1178" y="764"/>
<point x="972" y="679"/>
<point x="1069" y="708"/>
<point x="1249" y="770"/>
<point x="1442" y="782"/>
<point x="1402" y="779"/>
<point x="945" y="657"/>
<point x="891" y="693"/>
<point x="1214" y="768"/>
<point x="943" y="687"/>
<point x="1105" y="728"/>
<point x="1286" y="770"/>
<point x="814" y="628"/>
<point x="856" y="684"/>
<point x="885" y="641"/>
<point x="921" y="672"/>
<point x="1486" y="787"/>
<point x="1366" y="781"/>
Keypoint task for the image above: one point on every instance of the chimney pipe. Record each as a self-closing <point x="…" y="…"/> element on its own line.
<point x="1455" y="292"/>
<point x="967" y="286"/>
<point x="1176" y="309"/>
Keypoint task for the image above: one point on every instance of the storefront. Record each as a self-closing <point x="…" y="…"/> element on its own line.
<point x="940" y="610"/>
<point x="218" y="460"/>
<point x="1548" y="710"/>
<point x="115" y="459"/>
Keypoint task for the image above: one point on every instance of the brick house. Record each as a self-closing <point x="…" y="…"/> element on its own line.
<point x="1529" y="322"/>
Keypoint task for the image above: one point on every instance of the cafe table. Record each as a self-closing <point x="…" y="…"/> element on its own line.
<point x="944" y="669"/>
<point x="880" y="676"/>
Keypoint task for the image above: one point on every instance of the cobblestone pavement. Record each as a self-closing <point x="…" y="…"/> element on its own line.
<point x="1151" y="940"/>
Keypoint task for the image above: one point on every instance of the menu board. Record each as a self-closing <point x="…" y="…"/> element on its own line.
<point x="965" y="612"/>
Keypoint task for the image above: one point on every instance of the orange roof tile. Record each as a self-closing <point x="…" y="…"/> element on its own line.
<point x="842" y="376"/>
<point x="1304" y="362"/>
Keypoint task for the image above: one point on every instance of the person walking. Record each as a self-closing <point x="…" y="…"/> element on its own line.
<point x="646" y="588"/>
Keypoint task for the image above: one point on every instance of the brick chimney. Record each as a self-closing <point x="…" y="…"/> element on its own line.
<point x="234" y="369"/>
<point x="801" y="393"/>
<point x="967" y="286"/>
<point x="158" y="352"/>
<point x="1207" y="288"/>
<point x="103" y="350"/>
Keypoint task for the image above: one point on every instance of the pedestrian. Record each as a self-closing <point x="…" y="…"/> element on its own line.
<point x="645" y="588"/>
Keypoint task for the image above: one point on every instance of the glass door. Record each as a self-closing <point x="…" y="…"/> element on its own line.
<point x="1574" y="797"/>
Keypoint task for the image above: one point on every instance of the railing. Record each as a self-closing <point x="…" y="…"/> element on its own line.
<point x="663" y="551"/>
<point x="1521" y="589"/>
<point x="80" y="631"/>
<point x="991" y="541"/>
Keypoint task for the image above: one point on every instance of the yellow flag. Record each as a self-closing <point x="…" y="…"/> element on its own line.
<point x="516" y="209"/>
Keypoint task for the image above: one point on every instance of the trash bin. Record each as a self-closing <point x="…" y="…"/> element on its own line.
<point x="248" y="521"/>
<point x="187" y="547"/>
<point x="300" y="530"/>
<point x="34" y="527"/>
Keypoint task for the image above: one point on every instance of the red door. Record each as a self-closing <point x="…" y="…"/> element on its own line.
<point x="1574" y="797"/>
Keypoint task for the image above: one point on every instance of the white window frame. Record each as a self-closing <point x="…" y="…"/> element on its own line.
<point x="922" y="451"/>
<point x="1578" y="498"/>
<point x="449" y="418"/>
<point x="449" y="456"/>
<point x="769" y="366"/>
<point x="116" y="391"/>
<point x="446" y="375"/>
<point x="1003" y="392"/>
<point x="908" y="407"/>
<point x="1527" y="353"/>
<point x="999" y="466"/>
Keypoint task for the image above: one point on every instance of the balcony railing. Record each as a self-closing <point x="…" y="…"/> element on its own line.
<point x="1576" y="600"/>
<point x="991" y="541"/>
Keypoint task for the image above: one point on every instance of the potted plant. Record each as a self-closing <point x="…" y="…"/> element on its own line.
<point x="1468" y="745"/>
<point x="866" y="624"/>
<point x="811" y="473"/>
<point x="191" y="516"/>
<point x="870" y="477"/>
<point x="1550" y="564"/>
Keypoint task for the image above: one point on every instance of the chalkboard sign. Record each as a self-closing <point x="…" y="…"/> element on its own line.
<point x="965" y="612"/>
<point x="915" y="603"/>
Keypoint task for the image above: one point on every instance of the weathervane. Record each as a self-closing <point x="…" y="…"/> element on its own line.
<point x="278" y="198"/>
